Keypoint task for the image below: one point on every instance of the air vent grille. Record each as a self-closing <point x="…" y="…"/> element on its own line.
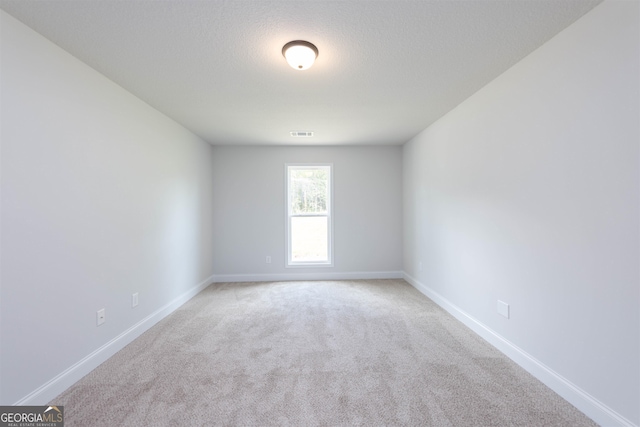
<point x="301" y="134"/>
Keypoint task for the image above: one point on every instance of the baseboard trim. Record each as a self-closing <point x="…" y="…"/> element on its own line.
<point x="590" y="406"/>
<point x="48" y="391"/>
<point x="356" y="275"/>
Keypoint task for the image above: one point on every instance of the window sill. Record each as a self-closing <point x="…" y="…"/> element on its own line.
<point x="309" y="264"/>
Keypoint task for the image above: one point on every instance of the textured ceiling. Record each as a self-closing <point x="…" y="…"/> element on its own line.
<point x="386" y="69"/>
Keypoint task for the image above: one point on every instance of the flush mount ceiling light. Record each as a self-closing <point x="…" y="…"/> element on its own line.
<point x="300" y="54"/>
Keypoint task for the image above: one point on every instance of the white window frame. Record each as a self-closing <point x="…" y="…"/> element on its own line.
<point x="288" y="215"/>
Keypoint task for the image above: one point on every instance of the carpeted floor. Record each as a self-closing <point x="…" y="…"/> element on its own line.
<point x="327" y="353"/>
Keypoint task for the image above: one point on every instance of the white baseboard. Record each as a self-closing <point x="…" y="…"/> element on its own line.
<point x="590" y="406"/>
<point x="356" y="275"/>
<point x="48" y="391"/>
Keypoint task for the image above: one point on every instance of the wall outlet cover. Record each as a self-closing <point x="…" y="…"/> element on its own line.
<point x="503" y="309"/>
<point x="100" y="317"/>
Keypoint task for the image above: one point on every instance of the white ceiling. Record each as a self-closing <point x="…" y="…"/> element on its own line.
<point x="386" y="70"/>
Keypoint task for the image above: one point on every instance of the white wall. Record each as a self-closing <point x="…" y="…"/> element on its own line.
<point x="249" y="218"/>
<point x="528" y="192"/>
<point x="102" y="196"/>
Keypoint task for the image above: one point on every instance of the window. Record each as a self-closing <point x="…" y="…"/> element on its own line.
<point x="309" y="205"/>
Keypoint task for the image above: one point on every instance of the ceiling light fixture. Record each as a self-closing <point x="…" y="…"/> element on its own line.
<point x="300" y="54"/>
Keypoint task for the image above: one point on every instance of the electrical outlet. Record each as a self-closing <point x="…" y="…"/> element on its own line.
<point x="420" y="266"/>
<point x="134" y="300"/>
<point x="100" y="317"/>
<point x="503" y="309"/>
<point x="268" y="260"/>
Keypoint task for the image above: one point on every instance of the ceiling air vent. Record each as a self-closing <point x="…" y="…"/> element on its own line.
<point x="301" y="134"/>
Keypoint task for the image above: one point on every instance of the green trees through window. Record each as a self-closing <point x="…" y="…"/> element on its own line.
<point x="309" y="190"/>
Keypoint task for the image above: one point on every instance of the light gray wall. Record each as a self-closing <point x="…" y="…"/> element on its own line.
<point x="102" y="196"/>
<point x="528" y="192"/>
<point x="249" y="218"/>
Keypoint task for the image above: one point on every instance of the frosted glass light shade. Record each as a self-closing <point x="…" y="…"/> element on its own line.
<point x="300" y="54"/>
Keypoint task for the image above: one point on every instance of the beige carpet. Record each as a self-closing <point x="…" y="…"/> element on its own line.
<point x="370" y="353"/>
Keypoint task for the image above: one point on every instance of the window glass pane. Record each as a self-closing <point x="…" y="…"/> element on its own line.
<point x="309" y="239"/>
<point x="308" y="190"/>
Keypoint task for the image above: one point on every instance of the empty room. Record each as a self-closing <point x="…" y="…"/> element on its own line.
<point x="320" y="213"/>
